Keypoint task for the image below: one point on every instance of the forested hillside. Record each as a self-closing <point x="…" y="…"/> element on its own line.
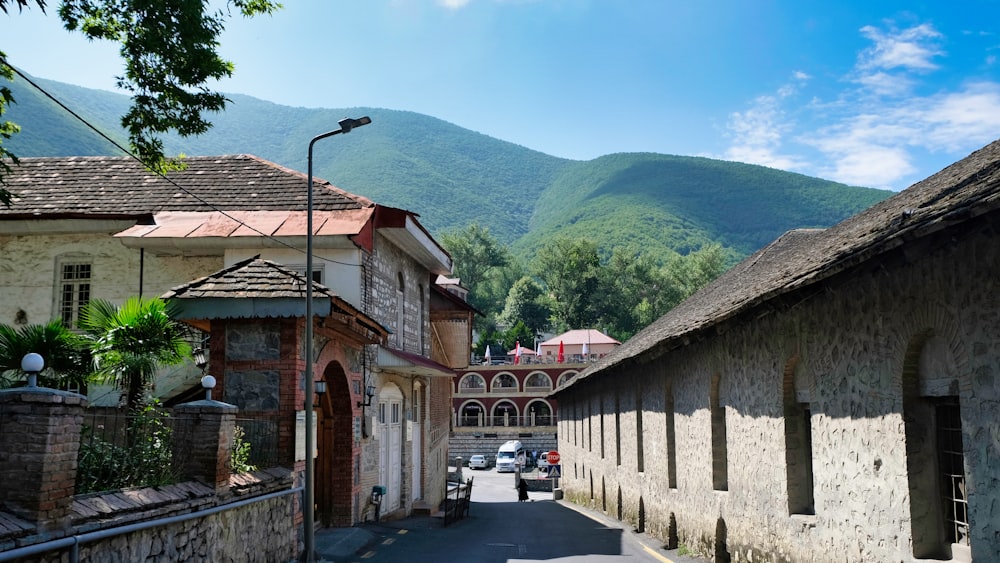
<point x="453" y="177"/>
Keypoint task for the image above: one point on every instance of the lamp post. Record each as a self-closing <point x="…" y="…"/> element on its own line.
<point x="346" y="125"/>
<point x="31" y="364"/>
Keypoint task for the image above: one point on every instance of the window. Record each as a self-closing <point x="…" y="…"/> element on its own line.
<point x="300" y="269"/>
<point x="720" y="469"/>
<point x="400" y="314"/>
<point x="538" y="381"/>
<point x="935" y="458"/>
<point x="505" y="381"/>
<point x="640" y="462"/>
<point x="74" y="290"/>
<point x="472" y="383"/>
<point x="618" y="428"/>
<point x="798" y="444"/>
<point x="951" y="469"/>
<point x="671" y="436"/>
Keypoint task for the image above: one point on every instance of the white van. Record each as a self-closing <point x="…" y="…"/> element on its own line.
<point x="509" y="454"/>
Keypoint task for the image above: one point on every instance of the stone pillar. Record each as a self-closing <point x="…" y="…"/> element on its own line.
<point x="203" y="434"/>
<point x="39" y="442"/>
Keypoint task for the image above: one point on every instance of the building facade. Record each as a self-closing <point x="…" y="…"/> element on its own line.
<point x="834" y="397"/>
<point x="99" y="227"/>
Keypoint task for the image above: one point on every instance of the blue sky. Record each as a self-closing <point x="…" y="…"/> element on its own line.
<point x="878" y="94"/>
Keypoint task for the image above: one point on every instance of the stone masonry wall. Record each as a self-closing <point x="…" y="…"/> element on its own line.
<point x="846" y="347"/>
<point x="261" y="532"/>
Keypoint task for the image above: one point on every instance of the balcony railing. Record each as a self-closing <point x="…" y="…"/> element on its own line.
<point x="508" y="420"/>
<point x="537" y="360"/>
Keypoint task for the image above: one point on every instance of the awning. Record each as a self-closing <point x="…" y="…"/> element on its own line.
<point x="398" y="361"/>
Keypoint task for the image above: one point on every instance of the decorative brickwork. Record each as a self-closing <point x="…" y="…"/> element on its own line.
<point x="39" y="442"/>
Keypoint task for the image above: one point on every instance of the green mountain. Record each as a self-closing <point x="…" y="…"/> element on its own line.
<point x="452" y="176"/>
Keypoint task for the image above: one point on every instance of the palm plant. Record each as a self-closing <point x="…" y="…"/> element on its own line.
<point x="132" y="342"/>
<point x="67" y="357"/>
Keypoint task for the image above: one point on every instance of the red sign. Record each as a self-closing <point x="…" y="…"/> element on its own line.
<point x="553" y="458"/>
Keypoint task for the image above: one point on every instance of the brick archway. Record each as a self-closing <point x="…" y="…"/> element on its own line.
<point x="334" y="442"/>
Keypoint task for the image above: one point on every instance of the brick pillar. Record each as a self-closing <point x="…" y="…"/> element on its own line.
<point x="203" y="433"/>
<point x="39" y="442"/>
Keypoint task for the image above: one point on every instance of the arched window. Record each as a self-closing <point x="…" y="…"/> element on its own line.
<point x="504" y="414"/>
<point x="537" y="381"/>
<point x="472" y="414"/>
<point x="504" y="381"/>
<point x="539" y="413"/>
<point x="564" y="377"/>
<point x="400" y="310"/>
<point x="472" y="383"/>
<point x="798" y="443"/>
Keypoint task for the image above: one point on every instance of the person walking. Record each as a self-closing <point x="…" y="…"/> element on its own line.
<point x="522" y="491"/>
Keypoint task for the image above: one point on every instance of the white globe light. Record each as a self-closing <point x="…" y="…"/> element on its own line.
<point x="208" y="382"/>
<point x="32" y="363"/>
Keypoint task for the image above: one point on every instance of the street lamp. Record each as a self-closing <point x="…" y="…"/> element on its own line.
<point x="31" y="364"/>
<point x="346" y="125"/>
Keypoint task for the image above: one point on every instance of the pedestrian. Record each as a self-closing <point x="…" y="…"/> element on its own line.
<point x="522" y="491"/>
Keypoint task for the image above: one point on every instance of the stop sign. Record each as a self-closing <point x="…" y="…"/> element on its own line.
<point x="553" y="458"/>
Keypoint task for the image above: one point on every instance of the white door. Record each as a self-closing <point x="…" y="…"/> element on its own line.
<point x="390" y="406"/>
<point x="417" y="442"/>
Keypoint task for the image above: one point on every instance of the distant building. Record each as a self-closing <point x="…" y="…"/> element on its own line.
<point x="508" y="398"/>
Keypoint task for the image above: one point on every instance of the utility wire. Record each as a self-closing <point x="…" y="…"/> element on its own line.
<point x="127" y="152"/>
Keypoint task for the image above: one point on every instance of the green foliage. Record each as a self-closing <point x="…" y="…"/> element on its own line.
<point x="571" y="272"/>
<point x="142" y="458"/>
<point x="67" y="358"/>
<point x="170" y="51"/>
<point x="526" y="303"/>
<point x="131" y="342"/>
<point x="239" y="460"/>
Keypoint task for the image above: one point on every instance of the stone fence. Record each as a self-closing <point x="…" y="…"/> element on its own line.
<point x="212" y="515"/>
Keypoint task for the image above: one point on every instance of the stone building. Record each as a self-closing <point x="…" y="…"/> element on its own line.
<point x="225" y="238"/>
<point x="833" y="397"/>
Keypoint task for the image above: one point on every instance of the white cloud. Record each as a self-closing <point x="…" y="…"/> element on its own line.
<point x="757" y="132"/>
<point x="910" y="48"/>
<point x="872" y="132"/>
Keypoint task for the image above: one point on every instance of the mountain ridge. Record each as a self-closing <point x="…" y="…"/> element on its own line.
<point x="452" y="176"/>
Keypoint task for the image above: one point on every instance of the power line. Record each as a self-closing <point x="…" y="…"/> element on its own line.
<point x="128" y="153"/>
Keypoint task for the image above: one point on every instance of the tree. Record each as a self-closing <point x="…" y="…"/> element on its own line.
<point x="132" y="342"/>
<point x="571" y="270"/>
<point x="526" y="303"/>
<point x="477" y="256"/>
<point x="698" y="269"/>
<point x="170" y="54"/>
<point x="67" y="358"/>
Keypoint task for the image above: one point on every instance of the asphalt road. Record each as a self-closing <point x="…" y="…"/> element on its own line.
<point x="500" y="529"/>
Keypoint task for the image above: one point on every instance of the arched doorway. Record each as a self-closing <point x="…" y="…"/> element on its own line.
<point x="334" y="444"/>
<point x="390" y="440"/>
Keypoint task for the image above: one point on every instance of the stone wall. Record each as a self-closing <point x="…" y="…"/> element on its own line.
<point x="839" y="353"/>
<point x="259" y="532"/>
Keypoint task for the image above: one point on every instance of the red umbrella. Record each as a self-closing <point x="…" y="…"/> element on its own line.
<point x="562" y="356"/>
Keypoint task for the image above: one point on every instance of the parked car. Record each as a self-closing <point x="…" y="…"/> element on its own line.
<point x="478" y="462"/>
<point x="543" y="460"/>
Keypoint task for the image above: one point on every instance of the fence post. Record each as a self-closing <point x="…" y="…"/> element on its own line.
<point x="39" y="443"/>
<point x="204" y="441"/>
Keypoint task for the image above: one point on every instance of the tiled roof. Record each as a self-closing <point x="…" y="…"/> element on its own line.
<point x="961" y="192"/>
<point x="252" y="278"/>
<point x="581" y="336"/>
<point x="121" y="187"/>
